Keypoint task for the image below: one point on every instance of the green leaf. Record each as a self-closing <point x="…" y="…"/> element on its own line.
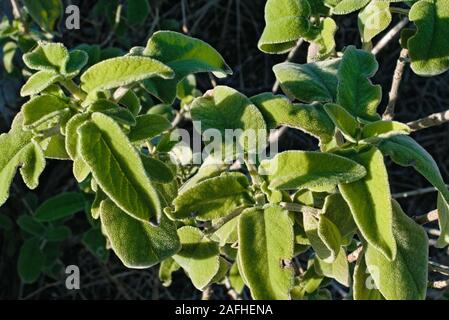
<point x="62" y="206"/>
<point x="167" y="267"/>
<point x="113" y="110"/>
<point x="38" y="82"/>
<point x="47" y="57"/>
<point x="309" y="282"/>
<point x="235" y="279"/>
<point x="131" y="101"/>
<point x="356" y="93"/>
<point x="317" y="171"/>
<point x="370" y="202"/>
<point x="384" y="129"/>
<point x="80" y="168"/>
<point x="148" y="126"/>
<point x="323" y="235"/>
<point x="404" y="278"/>
<point x="277" y="110"/>
<point x="199" y="256"/>
<point x="43" y="109"/>
<point x="9" y="51"/>
<point x="324" y="37"/>
<point x="363" y="285"/>
<point x="77" y="60"/>
<point x="405" y="151"/>
<point x="157" y="170"/>
<point x="56" y="148"/>
<point x="58" y="234"/>
<point x="266" y="256"/>
<point x="138" y="11"/>
<point x="343" y="120"/>
<point x="117" y="168"/>
<point x="19" y="150"/>
<point x="286" y="22"/>
<point x="224" y="109"/>
<point x="374" y="19"/>
<point x="212" y="198"/>
<point x="138" y="244"/>
<point x="443" y="221"/>
<point x="31" y="261"/>
<point x="429" y="47"/>
<point x="95" y="242"/>
<point x="185" y="55"/>
<point x="337" y="211"/>
<point x="122" y="71"/>
<point x="44" y="12"/>
<point x="338" y="270"/>
<point x="32" y="226"/>
<point x="309" y="82"/>
<point x="348" y="6"/>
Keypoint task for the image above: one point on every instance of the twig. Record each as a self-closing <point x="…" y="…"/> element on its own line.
<point x="436" y="267"/>
<point x="390" y="35"/>
<point x="225" y="220"/>
<point x="185" y="28"/>
<point x="397" y="77"/>
<point x="354" y="255"/>
<point x="231" y="292"/>
<point x="433" y="120"/>
<point x="442" y="284"/>
<point x="207" y="293"/>
<point x="411" y="193"/>
<point x="427" y="218"/>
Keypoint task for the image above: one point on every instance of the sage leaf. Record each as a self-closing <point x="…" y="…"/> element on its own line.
<point x="80" y="168"/>
<point x="47" y="57"/>
<point x="122" y="71"/>
<point x="316" y="81"/>
<point x="199" y="256"/>
<point x="348" y="6"/>
<point x="212" y="198"/>
<point x="31" y="261"/>
<point x="77" y="60"/>
<point x="62" y="206"/>
<point x="405" y="277"/>
<point x="338" y="270"/>
<point x="384" y="129"/>
<point x="356" y="93"/>
<point x="167" y="267"/>
<point x="323" y="236"/>
<point x="277" y="110"/>
<point x="117" y="168"/>
<point x="317" y="171"/>
<point x="374" y="19"/>
<point x="337" y="211"/>
<point x="56" y="148"/>
<point x="265" y="257"/>
<point x="343" y="120"/>
<point x="370" y="202"/>
<point x="286" y="22"/>
<point x="138" y="244"/>
<point x="113" y="110"/>
<point x="429" y="47"/>
<point x="19" y="150"/>
<point x="42" y="109"/>
<point x="38" y="82"/>
<point x="363" y="285"/>
<point x="157" y="170"/>
<point x="148" y="126"/>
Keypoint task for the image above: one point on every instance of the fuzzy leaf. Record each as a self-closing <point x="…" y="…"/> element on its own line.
<point x="370" y="202"/>
<point x="324" y="37"/>
<point x="148" y="126"/>
<point x="113" y="110"/>
<point x="212" y="198"/>
<point x="138" y="244"/>
<point x="277" y="110"/>
<point x="62" y="206"/>
<point x="168" y="266"/>
<point x="286" y="22"/>
<point x="363" y="285"/>
<point x="343" y="120"/>
<point x="199" y="256"/>
<point x="338" y="212"/>
<point x="77" y="60"/>
<point x="38" y="82"/>
<point x="117" y="168"/>
<point x="348" y="6"/>
<point x="317" y="171"/>
<point x="404" y="278"/>
<point x="80" y="168"/>
<point x="19" y="150"/>
<point x="323" y="236"/>
<point x="356" y="93"/>
<point x="122" y="71"/>
<point x="310" y="82"/>
<point x="48" y="57"/>
<point x="384" y="129"/>
<point x="429" y="47"/>
<point x="443" y="221"/>
<point x="157" y="170"/>
<point x="42" y="109"/>
<point x="265" y="256"/>
<point x="338" y="270"/>
<point x="374" y="19"/>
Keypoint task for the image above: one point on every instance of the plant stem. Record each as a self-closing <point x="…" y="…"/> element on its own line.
<point x="399" y="10"/>
<point x="296" y="207"/>
<point x="74" y="89"/>
<point x="397" y="77"/>
<point x="427" y="218"/>
<point x="252" y="170"/>
<point x="389" y="36"/>
<point x="436" y="267"/>
<point x="433" y="120"/>
<point x="225" y="220"/>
